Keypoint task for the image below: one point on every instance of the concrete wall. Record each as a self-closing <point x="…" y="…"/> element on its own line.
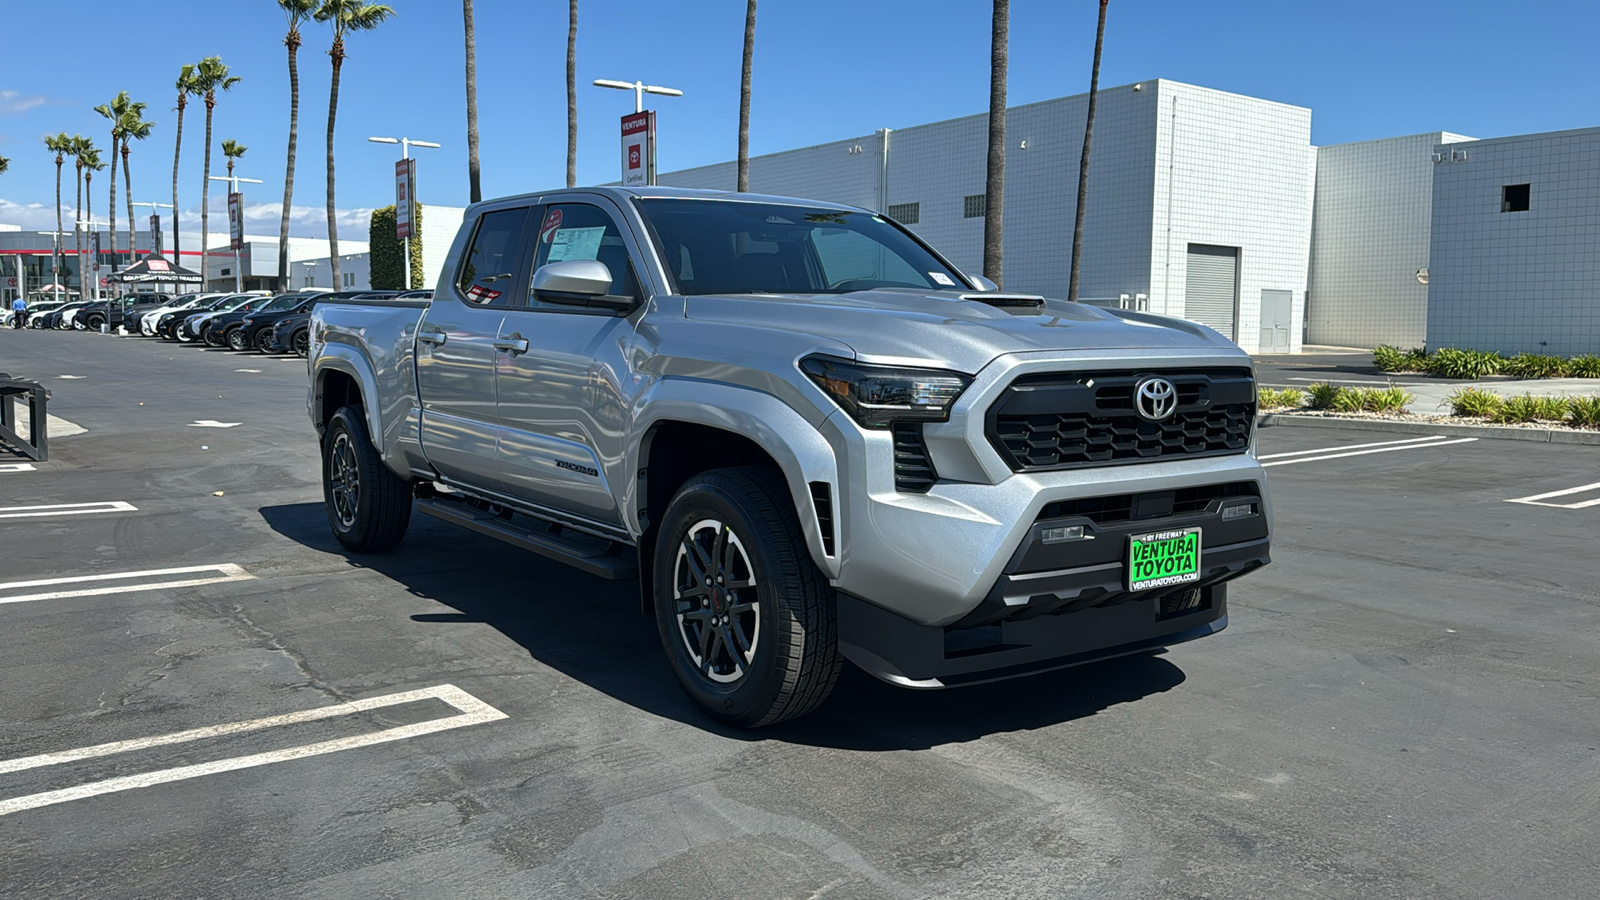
<point x="1518" y="281"/>
<point x="1369" y="236"/>
<point x="1232" y="171"/>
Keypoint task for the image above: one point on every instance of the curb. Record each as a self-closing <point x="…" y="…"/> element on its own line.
<point x="1497" y="432"/>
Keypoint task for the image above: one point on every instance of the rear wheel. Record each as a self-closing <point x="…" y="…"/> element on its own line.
<point x="368" y="506"/>
<point x="746" y="619"/>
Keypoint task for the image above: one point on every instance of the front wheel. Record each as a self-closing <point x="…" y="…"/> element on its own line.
<point x="368" y="506"/>
<point x="237" y="339"/>
<point x="746" y="619"/>
<point x="300" y="342"/>
<point x="263" y="341"/>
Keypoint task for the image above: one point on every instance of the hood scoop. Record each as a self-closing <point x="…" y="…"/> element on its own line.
<point x="1018" y="303"/>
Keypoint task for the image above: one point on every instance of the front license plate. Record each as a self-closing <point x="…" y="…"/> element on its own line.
<point x="1163" y="558"/>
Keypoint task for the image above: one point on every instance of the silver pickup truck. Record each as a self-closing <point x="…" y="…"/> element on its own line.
<point x="809" y="437"/>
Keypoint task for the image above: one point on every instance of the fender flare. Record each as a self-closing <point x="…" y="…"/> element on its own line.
<point x="801" y="452"/>
<point x="344" y="359"/>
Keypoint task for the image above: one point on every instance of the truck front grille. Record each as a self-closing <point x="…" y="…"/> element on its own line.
<point x="1072" y="420"/>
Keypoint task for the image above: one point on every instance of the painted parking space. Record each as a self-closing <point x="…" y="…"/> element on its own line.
<point x="1584" y="496"/>
<point x="470" y="711"/>
<point x="1342" y="451"/>
<point x="120" y="582"/>
<point x="49" y="510"/>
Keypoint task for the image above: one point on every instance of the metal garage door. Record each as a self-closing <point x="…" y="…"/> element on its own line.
<point x="1210" y="294"/>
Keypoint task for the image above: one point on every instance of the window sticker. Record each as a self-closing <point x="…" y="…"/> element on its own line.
<point x="480" y="294"/>
<point x="575" y="243"/>
<point x="942" y="278"/>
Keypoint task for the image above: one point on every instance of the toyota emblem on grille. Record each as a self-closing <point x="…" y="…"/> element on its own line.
<point x="1155" y="398"/>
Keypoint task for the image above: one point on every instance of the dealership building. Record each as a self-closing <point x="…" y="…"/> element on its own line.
<point x="1217" y="208"/>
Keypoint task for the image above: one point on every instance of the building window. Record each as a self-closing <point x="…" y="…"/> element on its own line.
<point x="1514" y="198"/>
<point x="906" y="213"/>
<point x="972" y="206"/>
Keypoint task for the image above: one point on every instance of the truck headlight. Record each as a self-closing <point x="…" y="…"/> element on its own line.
<point x="876" y="396"/>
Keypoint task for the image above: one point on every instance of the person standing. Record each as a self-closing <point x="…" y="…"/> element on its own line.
<point x="19" y="312"/>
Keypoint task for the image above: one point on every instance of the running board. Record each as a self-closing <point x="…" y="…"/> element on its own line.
<point x="597" y="556"/>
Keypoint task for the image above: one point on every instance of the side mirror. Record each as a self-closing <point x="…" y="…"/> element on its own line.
<point x="983" y="283"/>
<point x="578" y="282"/>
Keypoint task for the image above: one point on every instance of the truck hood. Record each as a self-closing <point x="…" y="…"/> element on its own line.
<point x="961" y="334"/>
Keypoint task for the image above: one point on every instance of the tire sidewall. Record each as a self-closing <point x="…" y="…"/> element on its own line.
<point x="746" y="698"/>
<point x="344" y="423"/>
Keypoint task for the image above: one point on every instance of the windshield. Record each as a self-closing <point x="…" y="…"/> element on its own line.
<point x="280" y="303"/>
<point x="231" y="303"/>
<point x="733" y="247"/>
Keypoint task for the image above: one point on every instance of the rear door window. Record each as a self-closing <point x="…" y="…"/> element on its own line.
<point x="488" y="268"/>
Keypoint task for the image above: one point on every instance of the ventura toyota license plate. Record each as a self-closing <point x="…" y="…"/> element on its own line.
<point x="1163" y="558"/>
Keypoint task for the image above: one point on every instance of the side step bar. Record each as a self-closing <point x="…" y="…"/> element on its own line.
<point x="597" y="556"/>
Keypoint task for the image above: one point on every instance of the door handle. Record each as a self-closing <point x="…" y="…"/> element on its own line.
<point x="512" y="344"/>
<point x="490" y="279"/>
<point x="434" y="337"/>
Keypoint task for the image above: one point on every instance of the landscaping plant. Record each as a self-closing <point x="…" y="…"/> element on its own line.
<point x="1322" y="394"/>
<point x="1528" y="408"/>
<point x="1288" y="398"/>
<point x="1474" y="402"/>
<point x="1450" y="362"/>
<point x="1583" y="412"/>
<point x="1534" y="365"/>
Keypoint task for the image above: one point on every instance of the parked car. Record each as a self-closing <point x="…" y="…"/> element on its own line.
<point x="61" y="317"/>
<point x="220" y="329"/>
<point x="114" y="311"/>
<point x="147" y="321"/>
<point x="255" y="330"/>
<point x="38" y="311"/>
<point x="192" y="327"/>
<point x="291" y="334"/>
<point x="809" y="436"/>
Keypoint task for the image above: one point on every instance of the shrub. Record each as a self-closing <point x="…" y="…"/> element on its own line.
<point x="1474" y="402"/>
<point x="1390" y="399"/>
<point x="1584" y="412"/>
<point x="1528" y="408"/>
<point x="1387" y="358"/>
<point x="1415" y="360"/>
<point x="1348" y="400"/>
<point x="1321" y="394"/>
<point x="1534" y="365"/>
<point x="1585" y="366"/>
<point x="1288" y="398"/>
<point x="1452" y="363"/>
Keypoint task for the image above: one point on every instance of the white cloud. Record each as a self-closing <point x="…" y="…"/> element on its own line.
<point x="12" y="103"/>
<point x="260" y="218"/>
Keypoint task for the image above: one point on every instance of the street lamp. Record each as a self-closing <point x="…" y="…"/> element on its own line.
<point x="405" y="153"/>
<point x="639" y="89"/>
<point x="233" y="188"/>
<point x="55" y="267"/>
<point x="155" y="246"/>
<point x="91" y="225"/>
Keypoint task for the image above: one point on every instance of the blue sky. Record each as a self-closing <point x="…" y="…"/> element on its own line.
<point x="824" y="69"/>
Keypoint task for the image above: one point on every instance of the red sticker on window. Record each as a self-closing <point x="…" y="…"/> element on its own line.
<point x="552" y="221"/>
<point x="488" y="296"/>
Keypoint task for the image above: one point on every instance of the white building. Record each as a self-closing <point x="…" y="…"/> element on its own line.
<point x="1199" y="200"/>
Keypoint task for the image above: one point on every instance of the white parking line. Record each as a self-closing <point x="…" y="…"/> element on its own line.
<point x="225" y="572"/>
<point x="472" y="712"/>
<point x="17" y="467"/>
<point x="1536" y="499"/>
<point x="1290" y="462"/>
<point x="1434" y="437"/>
<point x="66" y="509"/>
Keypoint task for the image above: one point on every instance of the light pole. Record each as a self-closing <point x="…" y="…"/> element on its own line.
<point x="639" y="89"/>
<point x="405" y="153"/>
<point x="94" y="265"/>
<point x="155" y="246"/>
<point x="233" y="188"/>
<point x="55" y="267"/>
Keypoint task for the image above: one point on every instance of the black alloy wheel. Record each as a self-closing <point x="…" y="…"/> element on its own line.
<point x="263" y="340"/>
<point x="300" y="342"/>
<point x="745" y="617"/>
<point x="368" y="506"/>
<point x="237" y="339"/>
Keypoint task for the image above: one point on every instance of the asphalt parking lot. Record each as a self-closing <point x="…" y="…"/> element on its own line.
<point x="203" y="697"/>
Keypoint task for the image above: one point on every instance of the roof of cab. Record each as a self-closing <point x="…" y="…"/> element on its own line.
<point x="666" y="192"/>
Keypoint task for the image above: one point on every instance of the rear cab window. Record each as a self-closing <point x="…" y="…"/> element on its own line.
<point x="488" y="268"/>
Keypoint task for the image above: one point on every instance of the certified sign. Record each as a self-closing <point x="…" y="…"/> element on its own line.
<point x="639" y="149"/>
<point x="405" y="190"/>
<point x="235" y="221"/>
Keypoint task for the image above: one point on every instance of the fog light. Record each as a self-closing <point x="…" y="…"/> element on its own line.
<point x="1064" y="533"/>
<point x="1243" y="511"/>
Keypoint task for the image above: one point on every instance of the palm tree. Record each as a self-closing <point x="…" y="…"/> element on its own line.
<point x="78" y="147"/>
<point x="5" y="163"/>
<point x="1083" y="163"/>
<point x="474" y="190"/>
<point x="134" y="128"/>
<point x="994" y="190"/>
<point x="210" y="76"/>
<point x="91" y="165"/>
<point x="119" y="106"/>
<point x="60" y="145"/>
<point x="186" y="88"/>
<point x="744" y="97"/>
<point x="572" y="93"/>
<point x="346" y="16"/>
<point x="296" y="12"/>
<point x="232" y="150"/>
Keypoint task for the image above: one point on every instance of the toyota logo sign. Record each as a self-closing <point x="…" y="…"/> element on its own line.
<point x="1155" y="398"/>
